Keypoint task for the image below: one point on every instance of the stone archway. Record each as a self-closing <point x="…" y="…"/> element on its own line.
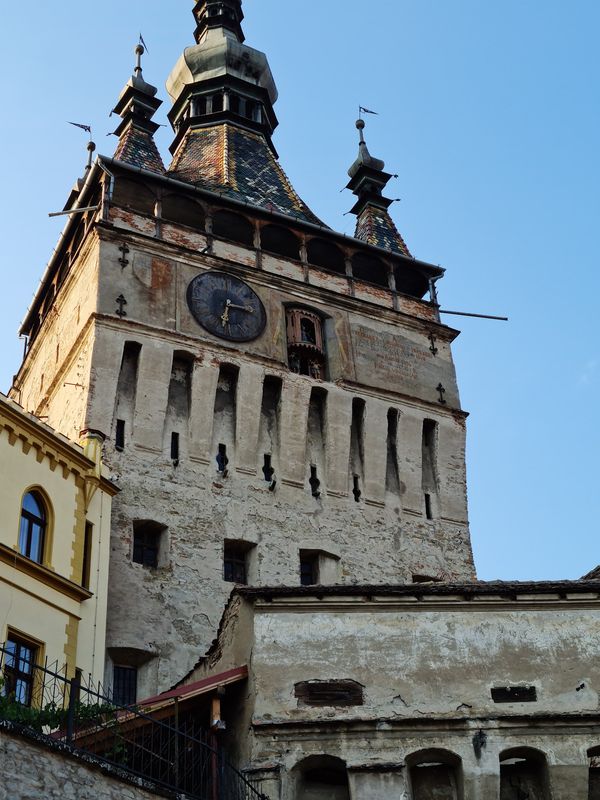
<point x="524" y="775"/>
<point x="321" y="778"/>
<point x="435" y="774"/>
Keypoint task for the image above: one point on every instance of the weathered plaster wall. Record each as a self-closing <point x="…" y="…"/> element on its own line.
<point x="427" y="666"/>
<point x="429" y="660"/>
<point x="201" y="509"/>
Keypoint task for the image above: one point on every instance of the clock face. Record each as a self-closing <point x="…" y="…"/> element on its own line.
<point x="226" y="307"/>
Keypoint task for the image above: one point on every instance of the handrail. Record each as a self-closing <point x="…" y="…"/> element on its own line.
<point x="176" y="754"/>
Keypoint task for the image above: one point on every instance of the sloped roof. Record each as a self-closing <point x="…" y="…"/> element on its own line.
<point x="376" y="227"/>
<point x="137" y="147"/>
<point x="193" y="690"/>
<point x="239" y="164"/>
<point x="594" y="575"/>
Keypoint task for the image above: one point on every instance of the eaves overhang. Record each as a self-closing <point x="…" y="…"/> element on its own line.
<point x="478" y="589"/>
<point x="426" y="269"/>
<point x="50" y="270"/>
<point x="430" y="270"/>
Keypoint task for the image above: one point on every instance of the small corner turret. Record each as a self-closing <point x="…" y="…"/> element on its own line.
<point x="136" y="106"/>
<point x="367" y="181"/>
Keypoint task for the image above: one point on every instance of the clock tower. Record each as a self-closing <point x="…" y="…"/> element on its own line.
<point x="279" y="400"/>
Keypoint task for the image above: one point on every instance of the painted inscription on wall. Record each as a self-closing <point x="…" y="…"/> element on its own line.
<point x="396" y="363"/>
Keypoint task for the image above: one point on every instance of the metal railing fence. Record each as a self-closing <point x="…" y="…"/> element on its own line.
<point x="175" y="754"/>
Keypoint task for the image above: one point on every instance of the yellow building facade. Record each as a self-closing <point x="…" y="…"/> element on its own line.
<point x="55" y="511"/>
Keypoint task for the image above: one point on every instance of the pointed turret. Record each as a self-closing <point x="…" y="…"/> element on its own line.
<point x="368" y="180"/>
<point x="137" y="105"/>
<point x="223" y="95"/>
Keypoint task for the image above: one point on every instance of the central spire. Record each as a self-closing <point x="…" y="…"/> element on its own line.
<point x="225" y="14"/>
<point x="220" y="78"/>
<point x="223" y="115"/>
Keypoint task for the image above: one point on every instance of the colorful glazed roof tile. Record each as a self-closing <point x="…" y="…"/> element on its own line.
<point x="376" y="227"/>
<point x="138" y="148"/>
<point x="238" y="163"/>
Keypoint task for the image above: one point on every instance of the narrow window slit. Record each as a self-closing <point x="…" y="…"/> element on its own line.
<point x="392" y="473"/>
<point x="314" y="481"/>
<point x="268" y="470"/>
<point x="222" y="460"/>
<point x="356" y="490"/>
<point x="175" y="448"/>
<point x="430" y="481"/>
<point x="120" y="435"/>
<point x="428" y="507"/>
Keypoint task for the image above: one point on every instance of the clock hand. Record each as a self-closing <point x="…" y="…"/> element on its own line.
<point x="247" y="309"/>
<point x="225" y="315"/>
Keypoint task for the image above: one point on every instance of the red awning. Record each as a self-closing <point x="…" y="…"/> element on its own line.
<point x="192" y="690"/>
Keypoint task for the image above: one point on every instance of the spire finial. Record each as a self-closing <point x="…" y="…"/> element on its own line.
<point x="360" y="124"/>
<point x="91" y="148"/>
<point x="139" y="51"/>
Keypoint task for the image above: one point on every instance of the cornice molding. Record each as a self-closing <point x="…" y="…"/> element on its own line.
<point x="42" y="574"/>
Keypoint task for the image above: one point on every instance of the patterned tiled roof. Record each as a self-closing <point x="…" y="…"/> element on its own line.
<point x="137" y="147"/>
<point x="238" y="163"/>
<point x="376" y="227"/>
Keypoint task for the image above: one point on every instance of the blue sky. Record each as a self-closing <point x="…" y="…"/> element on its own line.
<point x="489" y="114"/>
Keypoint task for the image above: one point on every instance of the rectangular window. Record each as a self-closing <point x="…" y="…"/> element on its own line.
<point x="19" y="664"/>
<point x="124" y="685"/>
<point x="514" y="694"/>
<point x="87" y="556"/>
<point x="145" y="547"/>
<point x="235" y="564"/>
<point x="309" y="569"/>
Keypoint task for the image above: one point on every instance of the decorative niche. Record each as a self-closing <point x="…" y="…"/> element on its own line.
<point x="306" y="343"/>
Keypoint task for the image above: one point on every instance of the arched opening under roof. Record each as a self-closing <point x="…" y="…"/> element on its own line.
<point x="229" y="225"/>
<point x="184" y="211"/>
<point x="435" y="774"/>
<point x="524" y="775"/>
<point x="131" y="193"/>
<point x="280" y="240"/>
<point x="321" y="778"/>
<point x="321" y="253"/>
<point x="410" y="281"/>
<point x="366" y="267"/>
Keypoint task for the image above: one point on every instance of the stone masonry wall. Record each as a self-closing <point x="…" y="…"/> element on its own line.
<point x="31" y="770"/>
<point x="175" y="382"/>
